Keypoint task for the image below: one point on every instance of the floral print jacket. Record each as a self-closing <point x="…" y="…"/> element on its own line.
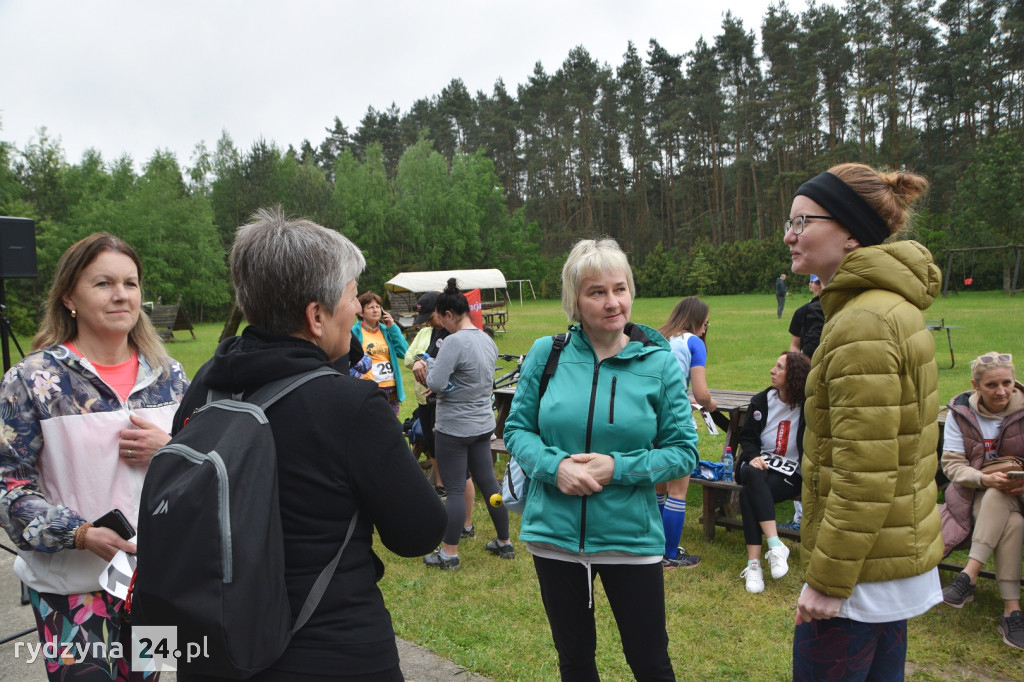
<point x="59" y="464"/>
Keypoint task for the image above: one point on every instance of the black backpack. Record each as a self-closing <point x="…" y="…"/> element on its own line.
<point x="211" y="557"/>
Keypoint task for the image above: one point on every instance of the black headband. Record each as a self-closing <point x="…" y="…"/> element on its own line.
<point x="848" y="207"/>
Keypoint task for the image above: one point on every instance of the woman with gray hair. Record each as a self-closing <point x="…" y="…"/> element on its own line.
<point x="613" y="422"/>
<point x="339" y="446"/>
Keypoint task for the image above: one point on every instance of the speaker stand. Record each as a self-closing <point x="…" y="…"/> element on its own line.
<point x="6" y="331"/>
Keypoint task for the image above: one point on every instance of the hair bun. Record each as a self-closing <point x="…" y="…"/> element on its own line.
<point x="906" y="186"/>
<point x="453" y="287"/>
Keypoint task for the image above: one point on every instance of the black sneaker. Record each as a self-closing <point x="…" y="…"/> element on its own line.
<point x="681" y="560"/>
<point x="469" y="532"/>
<point x="958" y="592"/>
<point x="435" y="560"/>
<point x="500" y="550"/>
<point x="441" y="492"/>
<point x="1012" y="629"/>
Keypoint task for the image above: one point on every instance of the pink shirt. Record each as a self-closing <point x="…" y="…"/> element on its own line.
<point x="121" y="377"/>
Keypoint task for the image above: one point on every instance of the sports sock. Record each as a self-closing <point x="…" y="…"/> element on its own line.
<point x="774" y="542"/>
<point x="752" y="562"/>
<point x="672" y="517"/>
<point x="446" y="555"/>
<point x="661" y="502"/>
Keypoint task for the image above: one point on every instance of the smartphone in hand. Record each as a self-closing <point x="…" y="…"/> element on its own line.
<point x="117" y="522"/>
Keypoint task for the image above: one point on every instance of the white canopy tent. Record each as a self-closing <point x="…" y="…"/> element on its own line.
<point x="404" y="289"/>
<point x="437" y="280"/>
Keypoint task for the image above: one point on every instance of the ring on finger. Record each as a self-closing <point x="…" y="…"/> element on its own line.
<point x="129" y="455"/>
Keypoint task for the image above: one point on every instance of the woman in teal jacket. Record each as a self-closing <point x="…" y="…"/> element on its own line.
<point x="380" y="326"/>
<point x="613" y="422"/>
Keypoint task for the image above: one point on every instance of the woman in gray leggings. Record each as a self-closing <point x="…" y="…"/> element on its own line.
<point x="462" y="376"/>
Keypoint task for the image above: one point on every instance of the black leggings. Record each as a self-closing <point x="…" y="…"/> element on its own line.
<point x="761" y="490"/>
<point x="636" y="594"/>
<point x="455" y="457"/>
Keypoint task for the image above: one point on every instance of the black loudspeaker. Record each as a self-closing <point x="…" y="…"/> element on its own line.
<point x="17" y="248"/>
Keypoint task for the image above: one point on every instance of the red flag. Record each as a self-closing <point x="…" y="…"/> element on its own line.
<point x="475" y="308"/>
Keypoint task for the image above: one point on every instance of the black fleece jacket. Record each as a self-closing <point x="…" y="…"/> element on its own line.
<point x="339" y="448"/>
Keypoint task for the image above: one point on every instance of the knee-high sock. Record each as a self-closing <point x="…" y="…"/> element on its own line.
<point x="673" y="517"/>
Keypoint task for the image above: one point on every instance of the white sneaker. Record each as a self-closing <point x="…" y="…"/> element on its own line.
<point x="755" y="578"/>
<point x="777" y="561"/>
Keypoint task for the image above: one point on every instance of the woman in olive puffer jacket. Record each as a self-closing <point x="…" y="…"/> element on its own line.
<point x="870" y="531"/>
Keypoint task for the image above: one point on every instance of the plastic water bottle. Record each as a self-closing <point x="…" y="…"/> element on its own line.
<point x="727" y="462"/>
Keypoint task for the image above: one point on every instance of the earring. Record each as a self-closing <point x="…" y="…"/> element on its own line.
<point x="74" y="313"/>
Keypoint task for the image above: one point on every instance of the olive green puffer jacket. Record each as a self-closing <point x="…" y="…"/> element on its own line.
<point x="869" y="460"/>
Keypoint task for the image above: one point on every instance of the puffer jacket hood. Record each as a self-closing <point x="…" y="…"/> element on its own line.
<point x="905" y="268"/>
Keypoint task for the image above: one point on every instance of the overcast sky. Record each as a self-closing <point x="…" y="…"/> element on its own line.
<point x="137" y="75"/>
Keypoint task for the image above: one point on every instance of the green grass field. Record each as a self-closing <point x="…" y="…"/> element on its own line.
<point x="488" y="616"/>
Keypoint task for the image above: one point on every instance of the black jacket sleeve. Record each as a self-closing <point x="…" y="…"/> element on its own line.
<point x="814" y="320"/>
<point x="390" y="484"/>
<point x="750" y="432"/>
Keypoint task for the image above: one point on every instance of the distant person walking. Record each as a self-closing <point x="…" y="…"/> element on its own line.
<point x="780" y="293"/>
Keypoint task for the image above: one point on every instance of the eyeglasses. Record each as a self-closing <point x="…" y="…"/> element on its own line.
<point x="992" y="358"/>
<point x="797" y="223"/>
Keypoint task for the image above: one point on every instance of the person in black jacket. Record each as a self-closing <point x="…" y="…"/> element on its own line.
<point x="339" y="445"/>
<point x="808" y="321"/>
<point x="771" y="443"/>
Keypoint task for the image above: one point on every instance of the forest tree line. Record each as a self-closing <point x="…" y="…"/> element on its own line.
<point x="689" y="160"/>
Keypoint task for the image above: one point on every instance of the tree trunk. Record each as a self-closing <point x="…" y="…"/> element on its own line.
<point x="233" y="322"/>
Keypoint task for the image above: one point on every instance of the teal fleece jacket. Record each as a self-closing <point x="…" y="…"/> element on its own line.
<point x="397" y="345"/>
<point x="632" y="406"/>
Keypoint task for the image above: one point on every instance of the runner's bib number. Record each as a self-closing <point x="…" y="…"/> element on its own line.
<point x="383" y="371"/>
<point x="786" y="467"/>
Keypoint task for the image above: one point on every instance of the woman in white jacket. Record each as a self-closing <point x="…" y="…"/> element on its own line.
<point x="82" y="416"/>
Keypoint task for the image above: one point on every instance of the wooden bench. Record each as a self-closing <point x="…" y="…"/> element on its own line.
<point x="170" y="318"/>
<point x="721" y="508"/>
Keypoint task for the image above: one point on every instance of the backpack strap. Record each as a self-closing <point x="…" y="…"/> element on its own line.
<point x="265" y="396"/>
<point x="322" y="580"/>
<point x="557" y="344"/>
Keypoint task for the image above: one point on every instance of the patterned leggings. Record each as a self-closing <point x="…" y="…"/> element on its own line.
<point x="88" y="627"/>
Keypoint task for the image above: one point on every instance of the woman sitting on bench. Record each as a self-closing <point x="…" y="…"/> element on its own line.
<point x="983" y="424"/>
<point x="771" y="443"/>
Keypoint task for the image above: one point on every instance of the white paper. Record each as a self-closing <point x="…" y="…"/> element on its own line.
<point x="117" y="576"/>
<point x="712" y="429"/>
